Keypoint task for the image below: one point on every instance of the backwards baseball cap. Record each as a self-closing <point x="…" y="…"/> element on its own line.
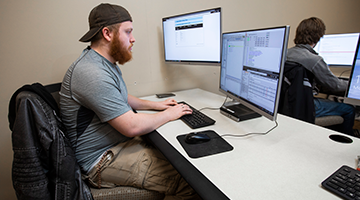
<point x="104" y="15"/>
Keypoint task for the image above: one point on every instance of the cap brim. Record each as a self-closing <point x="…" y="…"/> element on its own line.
<point x="90" y="34"/>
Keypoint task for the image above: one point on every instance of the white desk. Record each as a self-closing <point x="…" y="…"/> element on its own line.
<point x="290" y="162"/>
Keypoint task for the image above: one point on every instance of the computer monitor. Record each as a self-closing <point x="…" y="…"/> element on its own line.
<point x="193" y="37"/>
<point x="338" y="49"/>
<point x="252" y="64"/>
<point x="352" y="95"/>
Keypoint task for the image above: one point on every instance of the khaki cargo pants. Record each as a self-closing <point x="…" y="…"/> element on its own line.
<point x="138" y="164"/>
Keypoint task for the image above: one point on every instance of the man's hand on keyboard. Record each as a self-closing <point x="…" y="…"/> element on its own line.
<point x="162" y="105"/>
<point x="178" y="110"/>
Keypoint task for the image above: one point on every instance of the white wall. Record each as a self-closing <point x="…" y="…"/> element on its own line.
<point x="39" y="41"/>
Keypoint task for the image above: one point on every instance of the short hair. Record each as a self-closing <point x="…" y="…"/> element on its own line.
<point x="309" y="31"/>
<point x="99" y="35"/>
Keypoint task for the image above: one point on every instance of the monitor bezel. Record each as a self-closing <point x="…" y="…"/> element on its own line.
<point x="347" y="99"/>
<point x="281" y="71"/>
<point x="196" y="62"/>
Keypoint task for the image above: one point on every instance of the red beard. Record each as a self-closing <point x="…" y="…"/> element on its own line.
<point x="119" y="52"/>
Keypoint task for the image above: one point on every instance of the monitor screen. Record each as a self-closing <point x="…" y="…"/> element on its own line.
<point x="338" y="49"/>
<point x="352" y="95"/>
<point x="252" y="65"/>
<point x="193" y="37"/>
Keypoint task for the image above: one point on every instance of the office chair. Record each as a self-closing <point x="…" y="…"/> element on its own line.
<point x="296" y="97"/>
<point x="52" y="170"/>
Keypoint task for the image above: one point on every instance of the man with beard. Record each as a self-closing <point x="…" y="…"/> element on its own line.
<point x="98" y="113"/>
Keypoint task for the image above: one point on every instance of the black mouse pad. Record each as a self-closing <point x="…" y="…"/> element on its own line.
<point x="216" y="145"/>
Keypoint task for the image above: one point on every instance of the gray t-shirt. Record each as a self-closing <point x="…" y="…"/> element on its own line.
<point x="92" y="93"/>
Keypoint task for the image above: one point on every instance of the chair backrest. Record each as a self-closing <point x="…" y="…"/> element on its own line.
<point x="296" y="97"/>
<point x="54" y="90"/>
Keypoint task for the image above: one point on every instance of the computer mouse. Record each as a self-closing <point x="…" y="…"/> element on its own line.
<point x="196" y="138"/>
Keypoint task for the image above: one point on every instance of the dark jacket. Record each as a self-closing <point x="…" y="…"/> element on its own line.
<point x="296" y="97"/>
<point x="44" y="164"/>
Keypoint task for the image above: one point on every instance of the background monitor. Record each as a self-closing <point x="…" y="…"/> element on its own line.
<point x="338" y="49"/>
<point x="193" y="37"/>
<point x="252" y="64"/>
<point x="352" y="95"/>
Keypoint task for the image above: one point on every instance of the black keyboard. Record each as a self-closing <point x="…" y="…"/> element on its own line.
<point x="197" y="119"/>
<point x="344" y="182"/>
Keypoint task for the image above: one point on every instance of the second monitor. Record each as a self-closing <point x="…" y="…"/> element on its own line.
<point x="338" y="49"/>
<point x="193" y="37"/>
<point x="252" y="65"/>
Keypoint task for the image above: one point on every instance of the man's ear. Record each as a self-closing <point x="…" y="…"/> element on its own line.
<point x="107" y="34"/>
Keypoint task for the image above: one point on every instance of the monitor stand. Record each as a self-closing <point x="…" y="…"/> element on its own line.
<point x="238" y="112"/>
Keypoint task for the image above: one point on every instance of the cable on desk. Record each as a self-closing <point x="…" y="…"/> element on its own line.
<point x="209" y="108"/>
<point x="212" y="108"/>
<point x="233" y="135"/>
<point x="224" y="101"/>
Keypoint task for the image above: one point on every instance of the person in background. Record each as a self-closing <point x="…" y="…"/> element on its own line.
<point x="308" y="34"/>
<point x="98" y="113"/>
